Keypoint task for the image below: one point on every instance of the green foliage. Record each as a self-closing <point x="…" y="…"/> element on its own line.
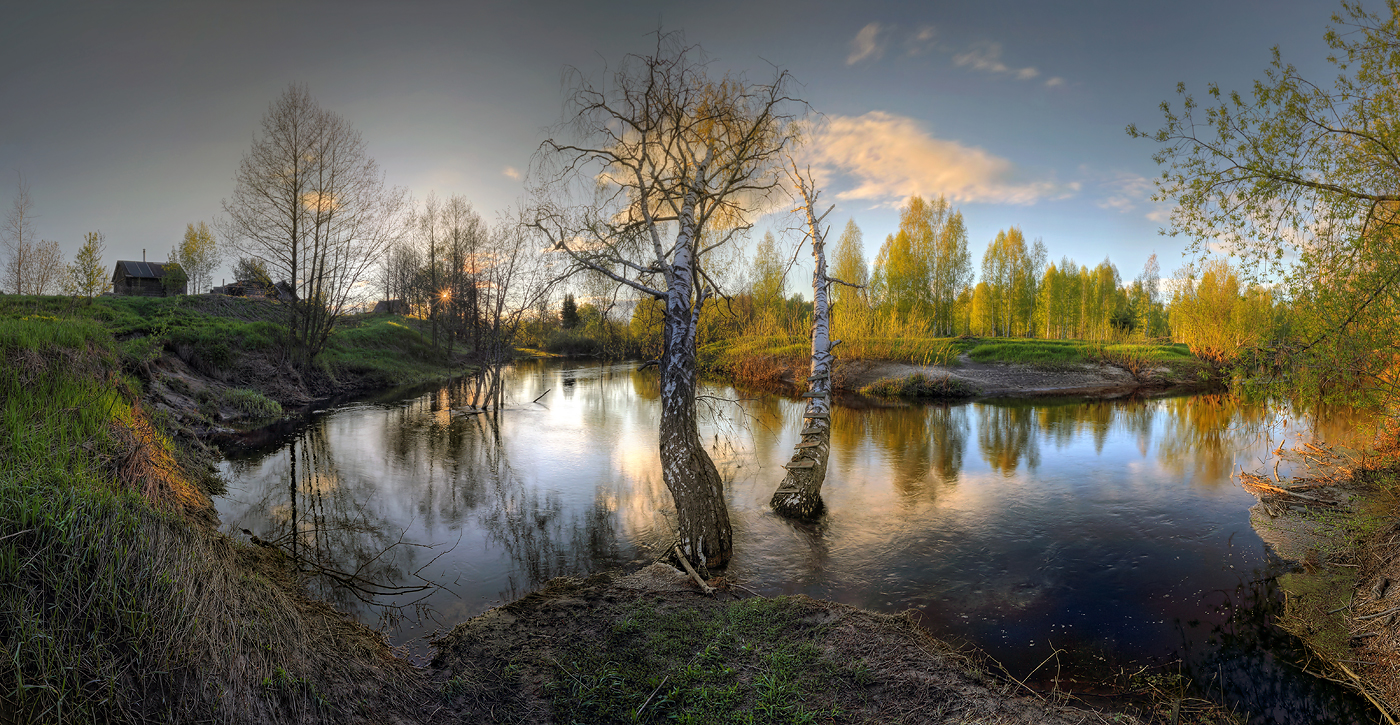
<point x="198" y="255"/>
<point x="86" y="277"/>
<point x="1215" y="317"/>
<point x="922" y="387"/>
<point x="568" y="313"/>
<point x="175" y="281"/>
<point x="1296" y="177"/>
<point x="850" y="306"/>
<point x="767" y="286"/>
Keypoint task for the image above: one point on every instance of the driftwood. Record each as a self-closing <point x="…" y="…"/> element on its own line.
<point x="706" y="588"/>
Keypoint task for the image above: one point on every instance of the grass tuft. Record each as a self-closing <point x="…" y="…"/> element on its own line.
<point x="922" y="387"/>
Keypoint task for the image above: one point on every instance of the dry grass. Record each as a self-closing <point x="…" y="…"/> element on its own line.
<point x="117" y="604"/>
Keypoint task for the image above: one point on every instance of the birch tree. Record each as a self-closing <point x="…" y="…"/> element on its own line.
<point x="17" y="236"/>
<point x="310" y="203"/>
<point x="663" y="166"/>
<point x="799" y="495"/>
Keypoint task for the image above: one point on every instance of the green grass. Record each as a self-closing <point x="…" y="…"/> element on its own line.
<point x="384" y="351"/>
<point x="741" y="664"/>
<point x="1053" y="353"/>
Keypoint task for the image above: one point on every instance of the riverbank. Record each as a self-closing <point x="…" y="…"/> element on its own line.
<point x="122" y="603"/>
<point x="1337" y="523"/>
<point x="974" y="368"/>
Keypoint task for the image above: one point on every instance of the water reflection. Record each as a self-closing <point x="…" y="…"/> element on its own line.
<point x="1011" y="524"/>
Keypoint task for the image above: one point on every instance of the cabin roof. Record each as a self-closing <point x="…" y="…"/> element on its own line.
<point x="147" y="270"/>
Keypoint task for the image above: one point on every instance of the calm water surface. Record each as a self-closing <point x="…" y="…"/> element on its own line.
<point x="1109" y="531"/>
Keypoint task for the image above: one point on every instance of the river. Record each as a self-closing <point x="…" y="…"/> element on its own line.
<point x="1064" y="538"/>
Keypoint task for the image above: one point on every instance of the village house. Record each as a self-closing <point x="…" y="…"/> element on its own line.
<point x="142" y="278"/>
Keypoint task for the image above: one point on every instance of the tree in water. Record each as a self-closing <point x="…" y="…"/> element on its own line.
<point x="800" y="493"/>
<point x="667" y="165"/>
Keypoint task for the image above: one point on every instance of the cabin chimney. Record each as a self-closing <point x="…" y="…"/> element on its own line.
<point x="143" y="255"/>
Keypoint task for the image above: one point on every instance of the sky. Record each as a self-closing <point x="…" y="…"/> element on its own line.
<point x="131" y="118"/>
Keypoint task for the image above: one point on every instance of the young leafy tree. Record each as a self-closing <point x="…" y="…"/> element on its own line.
<point x="1214" y="316"/>
<point x="176" y="279"/>
<point x="86" y="277"/>
<point x="667" y="165"/>
<point x="950" y="272"/>
<point x="851" y="304"/>
<point x="1299" y="180"/>
<point x="767" y="286"/>
<point x="17" y="237"/>
<point x="199" y="255"/>
<point x="45" y="268"/>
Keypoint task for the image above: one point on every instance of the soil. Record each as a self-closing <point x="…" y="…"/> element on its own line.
<point x="1017" y="380"/>
<point x="498" y="666"/>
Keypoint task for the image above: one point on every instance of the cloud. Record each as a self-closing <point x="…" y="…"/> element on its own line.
<point x="511" y="172"/>
<point x="1055" y="82"/>
<point x="866" y="45"/>
<point x="1126" y="193"/>
<point x="921" y="41"/>
<point x="986" y="57"/>
<point x="891" y="158"/>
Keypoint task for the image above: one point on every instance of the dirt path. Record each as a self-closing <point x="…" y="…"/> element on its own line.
<point x="1010" y="379"/>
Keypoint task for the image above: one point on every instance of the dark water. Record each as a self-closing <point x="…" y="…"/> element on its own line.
<point x="1110" y="532"/>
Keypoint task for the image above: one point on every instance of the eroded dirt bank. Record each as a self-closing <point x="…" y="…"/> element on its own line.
<point x="1336" y="524"/>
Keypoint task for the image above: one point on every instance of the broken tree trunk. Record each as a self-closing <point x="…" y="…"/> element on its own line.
<point x="800" y="495"/>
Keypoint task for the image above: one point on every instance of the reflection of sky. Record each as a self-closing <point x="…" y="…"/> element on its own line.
<point x="1011" y="524"/>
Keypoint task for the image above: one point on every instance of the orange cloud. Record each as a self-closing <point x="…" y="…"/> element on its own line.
<point x="891" y="158"/>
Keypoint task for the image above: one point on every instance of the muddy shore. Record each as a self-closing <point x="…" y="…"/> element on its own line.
<point x="1003" y="380"/>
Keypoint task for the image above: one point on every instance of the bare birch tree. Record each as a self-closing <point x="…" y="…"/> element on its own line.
<point x="666" y="165"/>
<point x="799" y="495"/>
<point x="17" y="236"/>
<point x="311" y="205"/>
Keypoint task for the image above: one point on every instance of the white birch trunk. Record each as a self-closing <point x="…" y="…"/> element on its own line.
<point x="702" y="516"/>
<point x="799" y="495"/>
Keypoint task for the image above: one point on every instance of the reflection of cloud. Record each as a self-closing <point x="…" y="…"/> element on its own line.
<point x="866" y="45"/>
<point x="893" y="157"/>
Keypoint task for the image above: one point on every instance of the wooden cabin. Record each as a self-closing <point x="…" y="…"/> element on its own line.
<point x="141" y="278"/>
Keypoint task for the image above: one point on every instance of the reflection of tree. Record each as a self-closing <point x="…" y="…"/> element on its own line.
<point x="949" y="427"/>
<point x="1204" y="434"/>
<point x="542" y="539"/>
<point x="1004" y="436"/>
<point x="647" y="384"/>
<point x="310" y="508"/>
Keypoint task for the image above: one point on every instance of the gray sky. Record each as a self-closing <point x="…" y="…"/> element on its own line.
<point x="131" y="118"/>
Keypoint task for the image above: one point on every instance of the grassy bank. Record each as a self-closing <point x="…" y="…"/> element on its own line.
<point x="118" y="604"/>
<point x="237" y="345"/>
